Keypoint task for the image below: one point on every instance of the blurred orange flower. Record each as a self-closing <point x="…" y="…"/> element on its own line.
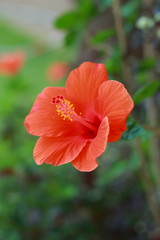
<point x="76" y="122"/>
<point x="11" y="63"/>
<point x="57" y="71"/>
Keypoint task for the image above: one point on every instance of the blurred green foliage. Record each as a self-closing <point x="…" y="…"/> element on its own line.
<point x="77" y="18"/>
<point x="12" y="37"/>
<point x="130" y="10"/>
<point x="102" y="36"/>
<point x="146" y="91"/>
<point x="74" y="22"/>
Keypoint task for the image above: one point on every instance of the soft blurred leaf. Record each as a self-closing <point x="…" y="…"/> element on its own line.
<point x="113" y="65"/>
<point x="67" y="20"/>
<point x="76" y="18"/>
<point x="118" y="168"/>
<point x="115" y="170"/>
<point x="147" y="64"/>
<point x="146" y="91"/>
<point x="134" y="130"/>
<point x="86" y="8"/>
<point x="72" y="38"/>
<point x="105" y="4"/>
<point x="130" y="9"/>
<point x="102" y="36"/>
<point x="141" y="76"/>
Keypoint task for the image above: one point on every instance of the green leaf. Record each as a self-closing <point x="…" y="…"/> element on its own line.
<point x="141" y="76"/>
<point x="113" y="65"/>
<point x="129" y="9"/>
<point x="117" y="168"/>
<point x="146" y="91"/>
<point x="147" y="64"/>
<point x="86" y="8"/>
<point x="105" y="4"/>
<point x="67" y="20"/>
<point x="102" y="36"/>
<point x="115" y="171"/>
<point x="71" y="38"/>
<point x="134" y="130"/>
<point x="78" y="17"/>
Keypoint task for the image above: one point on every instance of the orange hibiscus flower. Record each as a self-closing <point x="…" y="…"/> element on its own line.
<point x="76" y="122"/>
<point x="11" y="63"/>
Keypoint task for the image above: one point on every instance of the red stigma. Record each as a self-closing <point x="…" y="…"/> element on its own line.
<point x="57" y="99"/>
<point x="53" y="100"/>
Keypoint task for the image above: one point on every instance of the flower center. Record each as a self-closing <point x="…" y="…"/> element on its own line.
<point x="65" y="109"/>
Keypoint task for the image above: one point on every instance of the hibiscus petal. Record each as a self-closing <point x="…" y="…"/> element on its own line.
<point x="57" y="151"/>
<point x="114" y="102"/>
<point x="43" y="119"/>
<point x="86" y="160"/>
<point x="83" y="84"/>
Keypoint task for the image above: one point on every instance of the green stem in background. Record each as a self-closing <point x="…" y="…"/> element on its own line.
<point x="147" y="182"/>
<point x="152" y="113"/>
<point x="127" y="76"/>
<point x="152" y="110"/>
<point x="152" y="200"/>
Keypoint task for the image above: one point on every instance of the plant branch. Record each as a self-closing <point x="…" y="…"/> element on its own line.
<point x="155" y="130"/>
<point x="153" y="204"/>
<point x="127" y="76"/>
<point x="152" y="111"/>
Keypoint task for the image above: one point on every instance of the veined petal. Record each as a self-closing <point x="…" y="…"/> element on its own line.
<point x="57" y="151"/>
<point x="43" y="119"/>
<point x="86" y="160"/>
<point x="83" y="84"/>
<point x="114" y="102"/>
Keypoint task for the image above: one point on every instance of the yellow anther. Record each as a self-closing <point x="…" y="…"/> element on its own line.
<point x="65" y="109"/>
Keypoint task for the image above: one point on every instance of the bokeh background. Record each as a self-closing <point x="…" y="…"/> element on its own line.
<point x="120" y="200"/>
